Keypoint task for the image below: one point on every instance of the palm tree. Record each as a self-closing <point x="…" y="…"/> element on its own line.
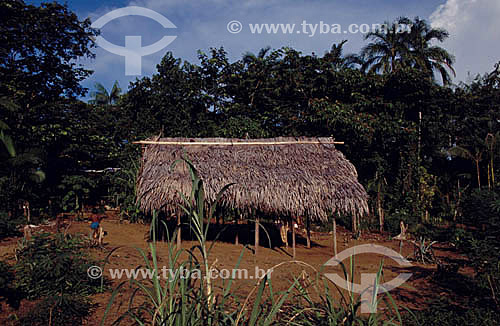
<point x="392" y="49"/>
<point x="102" y="97"/>
<point x="428" y="57"/>
<point x="257" y="64"/>
<point x="336" y="59"/>
<point x="388" y="50"/>
<point x="250" y="58"/>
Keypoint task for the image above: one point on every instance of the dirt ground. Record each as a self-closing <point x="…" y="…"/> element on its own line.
<point x="421" y="287"/>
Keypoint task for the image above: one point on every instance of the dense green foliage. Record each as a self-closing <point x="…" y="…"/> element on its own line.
<point x="48" y="265"/>
<point x="8" y="290"/>
<point x="51" y="269"/>
<point x="39" y="84"/>
<point x="482" y="243"/>
<point x="58" y="310"/>
<point x="443" y="313"/>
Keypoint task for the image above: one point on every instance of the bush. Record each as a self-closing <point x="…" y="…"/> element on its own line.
<point x="58" y="310"/>
<point x="443" y="313"/>
<point x="432" y="232"/>
<point x="8" y="226"/>
<point x="461" y="239"/>
<point x="392" y="221"/>
<point x="480" y="208"/>
<point x="8" y="291"/>
<point x="483" y="244"/>
<point x="54" y="264"/>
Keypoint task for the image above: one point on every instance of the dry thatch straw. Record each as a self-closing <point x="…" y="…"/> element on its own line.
<point x="307" y="178"/>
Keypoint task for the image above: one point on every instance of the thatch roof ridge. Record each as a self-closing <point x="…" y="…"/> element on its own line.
<point x="283" y="179"/>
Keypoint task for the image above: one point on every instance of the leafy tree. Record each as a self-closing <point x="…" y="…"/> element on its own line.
<point x="42" y="66"/>
<point x="39" y="80"/>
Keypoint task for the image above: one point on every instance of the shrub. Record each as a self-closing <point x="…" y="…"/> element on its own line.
<point x="483" y="244"/>
<point x="461" y="239"/>
<point x="8" y="291"/>
<point x="54" y="264"/>
<point x="392" y="220"/>
<point x="480" y="207"/>
<point x="58" y="310"/>
<point x="8" y="226"/>
<point x="443" y="313"/>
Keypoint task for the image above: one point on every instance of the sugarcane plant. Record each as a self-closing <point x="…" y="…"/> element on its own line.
<point x="200" y="214"/>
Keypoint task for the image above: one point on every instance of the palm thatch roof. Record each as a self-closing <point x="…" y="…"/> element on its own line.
<point x="296" y="177"/>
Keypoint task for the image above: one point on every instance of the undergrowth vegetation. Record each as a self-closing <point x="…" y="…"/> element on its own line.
<point x="50" y="270"/>
<point x="50" y="264"/>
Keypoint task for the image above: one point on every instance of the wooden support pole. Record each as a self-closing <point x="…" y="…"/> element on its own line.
<point x="237" y="237"/>
<point x="286" y="226"/>
<point x="334" y="236"/>
<point x="179" y="228"/>
<point x="354" y="225"/>
<point x="308" y="232"/>
<point x="293" y="238"/>
<point x="201" y="143"/>
<point x="257" y="227"/>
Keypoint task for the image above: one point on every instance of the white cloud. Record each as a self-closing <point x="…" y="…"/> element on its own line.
<point x="473" y="26"/>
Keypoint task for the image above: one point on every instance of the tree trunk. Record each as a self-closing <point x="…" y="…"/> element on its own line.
<point x="380" y="210"/>
<point x="27" y="211"/>
<point x="478" y="175"/>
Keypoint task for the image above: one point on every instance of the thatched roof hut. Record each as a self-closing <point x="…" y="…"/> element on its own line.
<point x="281" y="176"/>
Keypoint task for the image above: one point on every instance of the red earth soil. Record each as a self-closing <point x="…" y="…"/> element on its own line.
<point x="421" y="287"/>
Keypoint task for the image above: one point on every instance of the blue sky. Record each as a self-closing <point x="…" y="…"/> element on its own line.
<point x="201" y="24"/>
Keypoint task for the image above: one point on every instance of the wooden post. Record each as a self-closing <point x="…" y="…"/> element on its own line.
<point x="354" y="225"/>
<point x="257" y="227"/>
<point x="29" y="211"/>
<point x="334" y="236"/>
<point x="308" y="232"/>
<point x="286" y="226"/>
<point x="293" y="238"/>
<point x="237" y="238"/>
<point x="179" y="228"/>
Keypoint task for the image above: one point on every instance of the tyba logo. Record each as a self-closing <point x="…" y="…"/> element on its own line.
<point x="369" y="287"/>
<point x="133" y="51"/>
